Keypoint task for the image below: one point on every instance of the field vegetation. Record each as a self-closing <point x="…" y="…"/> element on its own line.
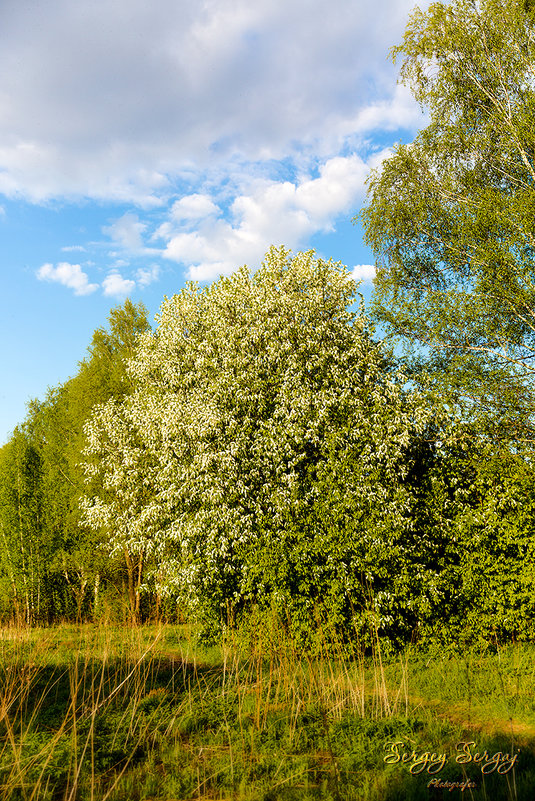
<point x="127" y="713"/>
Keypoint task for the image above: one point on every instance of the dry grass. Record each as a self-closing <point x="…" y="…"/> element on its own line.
<point x="91" y="713"/>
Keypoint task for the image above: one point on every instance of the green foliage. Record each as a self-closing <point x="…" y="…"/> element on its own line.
<point x="262" y="456"/>
<point x="494" y="593"/>
<point x="450" y="216"/>
<point x="50" y="567"/>
<point x="23" y="556"/>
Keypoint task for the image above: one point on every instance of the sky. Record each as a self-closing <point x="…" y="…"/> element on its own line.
<point x="146" y="143"/>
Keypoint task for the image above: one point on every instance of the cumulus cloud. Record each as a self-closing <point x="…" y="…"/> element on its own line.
<point x="363" y="272"/>
<point x="274" y="213"/>
<point x="147" y="275"/>
<point x="126" y="232"/>
<point x="186" y="213"/>
<point x="114" y="285"/>
<point x="398" y="111"/>
<point x="70" y="275"/>
<point x="193" y="207"/>
<point x="117" y="100"/>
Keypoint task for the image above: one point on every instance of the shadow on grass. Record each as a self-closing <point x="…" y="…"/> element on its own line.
<point x="69" y="727"/>
<point x="149" y="727"/>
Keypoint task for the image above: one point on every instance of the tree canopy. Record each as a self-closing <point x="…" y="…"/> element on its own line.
<point x="49" y="565"/>
<point x="450" y="216"/>
<point x="261" y="451"/>
<point x="261" y="457"/>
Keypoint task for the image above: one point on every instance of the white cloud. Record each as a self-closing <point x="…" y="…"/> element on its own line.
<point x="147" y="275"/>
<point x="73" y="248"/>
<point x="273" y="213"/>
<point x="194" y="207"/>
<point x="119" y="263"/>
<point x="126" y="232"/>
<point x="70" y="275"/>
<point x="186" y="213"/>
<point x="399" y="111"/>
<point x="363" y="272"/>
<point x="114" y="285"/>
<point x="117" y="100"/>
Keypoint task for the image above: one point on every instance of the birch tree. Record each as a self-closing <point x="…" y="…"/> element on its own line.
<point x="451" y="215"/>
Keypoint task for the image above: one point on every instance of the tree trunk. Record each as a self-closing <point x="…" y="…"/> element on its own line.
<point x="132" y="600"/>
<point x="95" y="595"/>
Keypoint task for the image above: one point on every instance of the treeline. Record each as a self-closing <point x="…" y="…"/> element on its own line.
<point x="260" y="450"/>
<point x="51" y="566"/>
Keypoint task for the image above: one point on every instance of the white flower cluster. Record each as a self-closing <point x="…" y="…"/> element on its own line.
<point x="248" y="395"/>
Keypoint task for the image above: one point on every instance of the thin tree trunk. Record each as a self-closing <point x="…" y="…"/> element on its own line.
<point x="131" y="588"/>
<point x="138" y="584"/>
<point x="22" y="549"/>
<point x="95" y="595"/>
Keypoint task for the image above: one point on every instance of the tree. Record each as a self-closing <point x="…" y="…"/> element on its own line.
<point x="23" y="558"/>
<point x="451" y="216"/>
<point x="119" y="507"/>
<point x="105" y="368"/>
<point x="260" y="459"/>
<point x="49" y="563"/>
<point x="101" y="376"/>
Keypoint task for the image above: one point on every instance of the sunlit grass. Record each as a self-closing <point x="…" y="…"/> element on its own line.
<point x="124" y="713"/>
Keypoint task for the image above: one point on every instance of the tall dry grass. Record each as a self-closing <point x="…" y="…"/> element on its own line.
<point x="91" y="713"/>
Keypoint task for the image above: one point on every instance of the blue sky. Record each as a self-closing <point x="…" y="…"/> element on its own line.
<point x="143" y="144"/>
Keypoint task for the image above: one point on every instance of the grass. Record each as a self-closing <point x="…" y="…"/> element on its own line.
<point x="91" y="713"/>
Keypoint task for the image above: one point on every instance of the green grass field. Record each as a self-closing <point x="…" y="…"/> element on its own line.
<point x="100" y="712"/>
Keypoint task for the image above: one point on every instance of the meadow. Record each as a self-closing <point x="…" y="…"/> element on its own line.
<point x="93" y="712"/>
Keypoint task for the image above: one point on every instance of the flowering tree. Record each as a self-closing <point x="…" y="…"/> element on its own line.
<point x="121" y="479"/>
<point x="263" y="452"/>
